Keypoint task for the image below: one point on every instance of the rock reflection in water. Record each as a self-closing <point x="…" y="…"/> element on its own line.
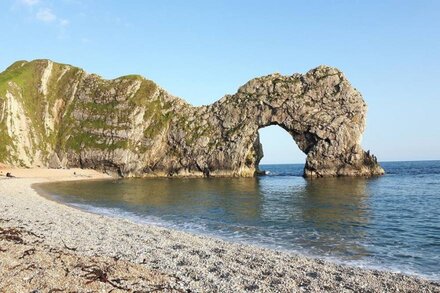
<point x="217" y="199"/>
<point x="337" y="208"/>
<point x="327" y="215"/>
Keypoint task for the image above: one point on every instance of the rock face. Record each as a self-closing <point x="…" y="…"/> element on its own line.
<point x="58" y="115"/>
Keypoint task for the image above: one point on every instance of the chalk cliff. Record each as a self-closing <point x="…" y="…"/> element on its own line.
<point x="57" y="115"/>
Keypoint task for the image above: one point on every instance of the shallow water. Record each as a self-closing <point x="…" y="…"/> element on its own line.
<point x="390" y="222"/>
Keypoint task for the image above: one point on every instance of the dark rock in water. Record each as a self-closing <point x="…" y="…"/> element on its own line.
<point x="262" y="173"/>
<point x="58" y="115"/>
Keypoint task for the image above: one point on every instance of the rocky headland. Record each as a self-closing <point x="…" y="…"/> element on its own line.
<point x="56" y="115"/>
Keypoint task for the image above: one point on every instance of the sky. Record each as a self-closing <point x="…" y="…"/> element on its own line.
<point x="202" y="50"/>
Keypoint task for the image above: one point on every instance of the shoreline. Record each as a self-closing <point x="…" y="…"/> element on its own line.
<point x="140" y="221"/>
<point x="199" y="263"/>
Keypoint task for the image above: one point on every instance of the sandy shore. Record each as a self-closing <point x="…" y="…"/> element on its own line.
<point x="45" y="245"/>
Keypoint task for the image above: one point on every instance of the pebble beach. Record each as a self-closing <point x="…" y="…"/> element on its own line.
<point x="48" y="246"/>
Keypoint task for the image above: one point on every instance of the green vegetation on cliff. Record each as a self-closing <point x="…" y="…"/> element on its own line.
<point x="58" y="115"/>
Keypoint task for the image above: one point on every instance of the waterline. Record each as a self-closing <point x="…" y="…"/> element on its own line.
<point x="389" y="222"/>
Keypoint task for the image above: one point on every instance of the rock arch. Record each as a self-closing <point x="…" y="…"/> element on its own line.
<point x="322" y="112"/>
<point x="132" y="127"/>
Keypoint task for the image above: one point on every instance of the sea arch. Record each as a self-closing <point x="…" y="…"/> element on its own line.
<point x="132" y="127"/>
<point x="322" y="112"/>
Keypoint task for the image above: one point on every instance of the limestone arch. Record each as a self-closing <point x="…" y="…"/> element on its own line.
<point x="322" y="112"/>
<point x="132" y="126"/>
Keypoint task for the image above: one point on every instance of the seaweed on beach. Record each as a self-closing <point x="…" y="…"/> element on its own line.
<point x="69" y="248"/>
<point x="11" y="234"/>
<point x="94" y="273"/>
<point x="28" y="253"/>
<point x="15" y="234"/>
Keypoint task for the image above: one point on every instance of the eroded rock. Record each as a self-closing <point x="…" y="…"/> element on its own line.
<point x="131" y="127"/>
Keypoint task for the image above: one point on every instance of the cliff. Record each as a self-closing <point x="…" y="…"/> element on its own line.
<point x="57" y="115"/>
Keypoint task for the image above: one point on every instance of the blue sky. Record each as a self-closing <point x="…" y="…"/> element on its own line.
<point x="201" y="50"/>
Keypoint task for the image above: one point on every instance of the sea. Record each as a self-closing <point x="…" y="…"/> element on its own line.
<point x="390" y="222"/>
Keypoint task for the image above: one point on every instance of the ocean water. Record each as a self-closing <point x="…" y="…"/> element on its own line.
<point x="390" y="222"/>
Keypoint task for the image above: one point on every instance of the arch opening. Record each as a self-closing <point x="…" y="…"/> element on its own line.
<point x="278" y="148"/>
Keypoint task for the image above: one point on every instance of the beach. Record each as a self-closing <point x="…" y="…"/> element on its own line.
<point x="48" y="246"/>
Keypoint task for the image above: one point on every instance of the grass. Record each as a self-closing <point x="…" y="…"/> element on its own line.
<point x="103" y="106"/>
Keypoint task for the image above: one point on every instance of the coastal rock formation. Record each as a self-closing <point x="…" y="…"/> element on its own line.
<point x="57" y="115"/>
